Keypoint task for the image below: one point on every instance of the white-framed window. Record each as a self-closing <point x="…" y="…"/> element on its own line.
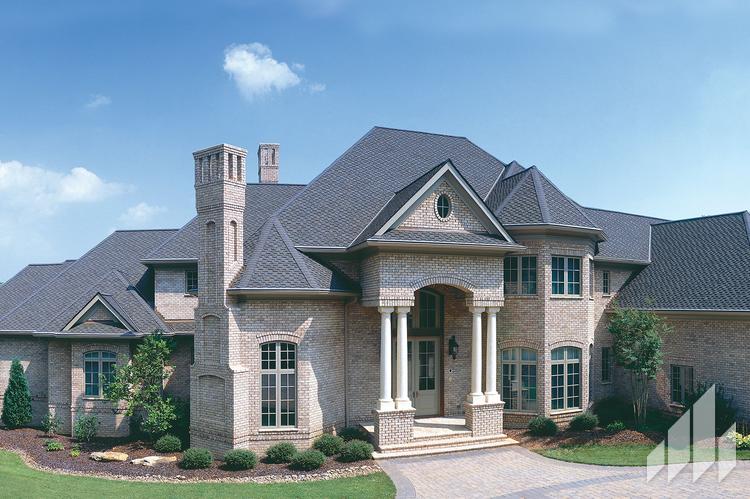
<point x="566" y="378"/>
<point x="443" y="206"/>
<point x="278" y="373"/>
<point x="519" y="275"/>
<point x="98" y="371"/>
<point x="605" y="282"/>
<point x="191" y="282"/>
<point x="566" y="275"/>
<point x="519" y="379"/>
<point x="681" y="381"/>
<point x="607" y="364"/>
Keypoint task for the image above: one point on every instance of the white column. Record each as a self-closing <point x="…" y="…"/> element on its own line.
<point x="386" y="401"/>
<point x="402" y="361"/>
<point x="476" y="396"/>
<point x="490" y="386"/>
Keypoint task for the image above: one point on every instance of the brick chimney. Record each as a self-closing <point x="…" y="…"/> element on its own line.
<point x="268" y="163"/>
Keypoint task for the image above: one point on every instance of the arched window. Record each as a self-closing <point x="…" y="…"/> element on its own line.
<point x="519" y="379"/>
<point x="239" y="168"/>
<point x="230" y="161"/>
<point x="278" y="372"/>
<point x="233" y="224"/>
<point x="429" y="310"/>
<point x="566" y="378"/>
<point x="98" y="369"/>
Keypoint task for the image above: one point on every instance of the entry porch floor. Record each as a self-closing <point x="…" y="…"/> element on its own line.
<point x="438" y="435"/>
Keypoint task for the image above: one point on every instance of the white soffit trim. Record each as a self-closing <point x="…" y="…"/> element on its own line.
<point x="97" y="299"/>
<point x="457" y="181"/>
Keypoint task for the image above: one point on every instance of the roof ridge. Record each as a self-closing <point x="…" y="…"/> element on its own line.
<point x="169" y="239"/>
<point x="295" y="254"/>
<point x="576" y="206"/>
<point x="264" y="230"/>
<point x="278" y="184"/>
<point x="747" y="224"/>
<point x="144" y="230"/>
<point x="512" y="192"/>
<point x="703" y="217"/>
<point x="418" y="131"/>
<point x="140" y="299"/>
<point x="624" y="213"/>
<point x="541" y="196"/>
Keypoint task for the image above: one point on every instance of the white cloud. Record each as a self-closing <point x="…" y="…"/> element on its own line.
<point x="43" y="190"/>
<point x="298" y="67"/>
<point x="141" y="214"/>
<point x="97" y="100"/>
<point x="315" y="88"/>
<point x="256" y="72"/>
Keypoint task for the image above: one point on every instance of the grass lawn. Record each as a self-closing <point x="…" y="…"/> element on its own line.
<point x="18" y="480"/>
<point x="609" y="455"/>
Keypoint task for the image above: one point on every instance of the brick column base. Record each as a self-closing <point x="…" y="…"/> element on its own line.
<point x="393" y="427"/>
<point x="484" y="419"/>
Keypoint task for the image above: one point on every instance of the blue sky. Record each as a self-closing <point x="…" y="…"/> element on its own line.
<point x="639" y="106"/>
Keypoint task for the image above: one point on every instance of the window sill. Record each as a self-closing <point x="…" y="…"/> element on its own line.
<point x="521" y="412"/>
<point x="521" y="297"/>
<point x="605" y="382"/>
<point x="279" y="430"/>
<point x="91" y="398"/>
<point x="561" y="412"/>
<point x="191" y="295"/>
<point x="566" y="297"/>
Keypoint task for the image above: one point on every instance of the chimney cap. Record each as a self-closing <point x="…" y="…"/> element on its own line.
<point x="220" y="147"/>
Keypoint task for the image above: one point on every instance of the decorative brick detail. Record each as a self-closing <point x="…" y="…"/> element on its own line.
<point x="393" y="427"/>
<point x="484" y="419"/>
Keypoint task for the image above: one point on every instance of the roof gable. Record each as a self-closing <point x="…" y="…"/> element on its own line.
<point x="100" y="310"/>
<point x="469" y="213"/>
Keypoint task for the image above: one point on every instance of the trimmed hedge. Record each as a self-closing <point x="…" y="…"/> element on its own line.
<point x="17" y="399"/>
<point x="584" y="422"/>
<point x="196" y="458"/>
<point x="356" y="450"/>
<point x="85" y="428"/>
<point x="328" y="444"/>
<point x="541" y="426"/>
<point x="168" y="443"/>
<point x="615" y="427"/>
<point x="354" y="433"/>
<point x="240" y="459"/>
<point x="281" y="453"/>
<point x="308" y="460"/>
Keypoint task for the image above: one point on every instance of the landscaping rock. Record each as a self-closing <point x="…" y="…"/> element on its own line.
<point x="109" y="456"/>
<point x="154" y="460"/>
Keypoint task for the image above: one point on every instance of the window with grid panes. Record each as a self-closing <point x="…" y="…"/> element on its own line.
<point x="566" y="378"/>
<point x="278" y="384"/>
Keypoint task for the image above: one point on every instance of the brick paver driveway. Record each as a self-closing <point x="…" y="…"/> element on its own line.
<point x="517" y="472"/>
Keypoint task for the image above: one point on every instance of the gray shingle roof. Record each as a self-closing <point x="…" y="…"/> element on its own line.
<point x="335" y="208"/>
<point x="71" y="288"/>
<point x="531" y="198"/>
<point x="627" y="235"/>
<point x="696" y="264"/>
<point x="261" y="201"/>
<point x="27" y="281"/>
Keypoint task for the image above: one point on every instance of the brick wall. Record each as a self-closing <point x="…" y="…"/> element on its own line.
<point x="32" y="352"/>
<point x="170" y="296"/>
<point x="461" y="217"/>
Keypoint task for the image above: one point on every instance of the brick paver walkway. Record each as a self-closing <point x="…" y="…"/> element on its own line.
<point x="517" y="472"/>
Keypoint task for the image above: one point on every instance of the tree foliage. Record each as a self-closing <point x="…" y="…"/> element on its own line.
<point x="637" y="348"/>
<point x="17" y="398"/>
<point x="140" y="384"/>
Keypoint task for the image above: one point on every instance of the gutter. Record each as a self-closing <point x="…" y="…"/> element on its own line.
<point x="462" y="247"/>
<point x="293" y="292"/>
<point x="169" y="261"/>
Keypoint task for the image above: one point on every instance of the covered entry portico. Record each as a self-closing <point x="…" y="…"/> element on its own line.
<point x="474" y="374"/>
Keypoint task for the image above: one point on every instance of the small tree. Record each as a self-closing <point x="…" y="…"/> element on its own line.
<point x="140" y="385"/>
<point x="17" y="399"/>
<point x="637" y="348"/>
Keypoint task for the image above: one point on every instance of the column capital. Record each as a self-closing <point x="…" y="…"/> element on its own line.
<point x="476" y="310"/>
<point x="403" y="310"/>
<point x="493" y="310"/>
<point x="385" y="310"/>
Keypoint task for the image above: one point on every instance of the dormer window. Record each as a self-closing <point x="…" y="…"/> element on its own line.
<point x="191" y="282"/>
<point x="443" y="206"/>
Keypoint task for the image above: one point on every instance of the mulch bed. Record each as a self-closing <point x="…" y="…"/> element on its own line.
<point x="598" y="436"/>
<point x="31" y="444"/>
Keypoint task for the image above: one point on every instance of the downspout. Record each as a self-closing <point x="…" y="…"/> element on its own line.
<point x="346" y="362"/>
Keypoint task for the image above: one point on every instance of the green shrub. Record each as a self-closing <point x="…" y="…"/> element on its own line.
<point x="240" y="459"/>
<point x="196" y="458"/>
<point x="741" y="442"/>
<point x="168" y="443"/>
<point x="51" y="424"/>
<point x="281" y="453"/>
<point x="725" y="412"/>
<point x="308" y="460"/>
<point x="541" y="426"/>
<point x="85" y="428"/>
<point x="356" y="450"/>
<point x="53" y="445"/>
<point x="612" y="409"/>
<point x="17" y="398"/>
<point x="328" y="444"/>
<point x="75" y="452"/>
<point x="181" y="425"/>
<point x="354" y="433"/>
<point x="584" y="422"/>
<point x="615" y="427"/>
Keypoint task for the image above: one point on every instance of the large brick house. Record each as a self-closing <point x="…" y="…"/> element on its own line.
<point x="416" y="276"/>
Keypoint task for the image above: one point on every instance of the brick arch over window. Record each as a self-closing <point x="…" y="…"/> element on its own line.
<point x="521" y="343"/>
<point x="278" y="336"/>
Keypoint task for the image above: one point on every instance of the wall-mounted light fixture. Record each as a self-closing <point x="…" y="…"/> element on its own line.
<point x="453" y="347"/>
